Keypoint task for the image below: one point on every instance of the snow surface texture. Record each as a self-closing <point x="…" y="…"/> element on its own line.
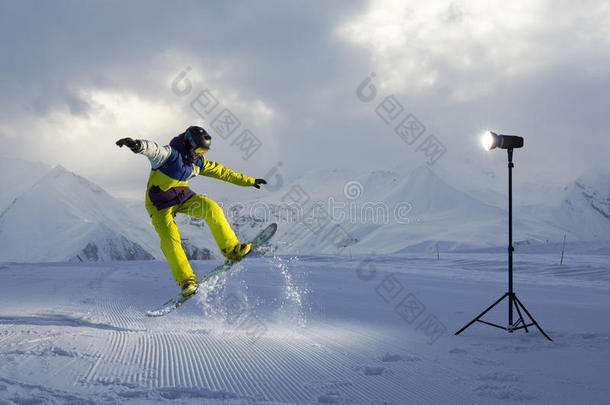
<point x="314" y="329"/>
<point x="60" y="216"/>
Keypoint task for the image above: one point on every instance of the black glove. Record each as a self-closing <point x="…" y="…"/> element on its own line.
<point x="259" y="181"/>
<point x="135" y="146"/>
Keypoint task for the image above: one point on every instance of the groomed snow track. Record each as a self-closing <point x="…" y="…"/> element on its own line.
<point x="83" y="338"/>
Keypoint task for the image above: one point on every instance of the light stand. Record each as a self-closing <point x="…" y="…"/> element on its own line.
<point x="513" y="301"/>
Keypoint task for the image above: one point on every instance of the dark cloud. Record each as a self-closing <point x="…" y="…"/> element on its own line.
<point x="290" y="57"/>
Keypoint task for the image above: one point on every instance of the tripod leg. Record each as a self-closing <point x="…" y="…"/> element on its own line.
<point x="532" y="318"/>
<point x="516" y="304"/>
<point x="481" y="314"/>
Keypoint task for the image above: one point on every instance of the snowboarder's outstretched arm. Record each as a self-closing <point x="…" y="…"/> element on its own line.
<point x="155" y="153"/>
<point x="158" y="155"/>
<point x="218" y="171"/>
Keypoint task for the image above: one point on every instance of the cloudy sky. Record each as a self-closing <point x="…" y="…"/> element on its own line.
<point x="76" y="76"/>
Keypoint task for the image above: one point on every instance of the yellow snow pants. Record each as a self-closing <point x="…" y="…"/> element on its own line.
<point x="198" y="206"/>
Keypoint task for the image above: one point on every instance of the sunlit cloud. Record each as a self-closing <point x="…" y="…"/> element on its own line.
<point x="85" y="142"/>
<point x="465" y="49"/>
<point x="537" y="68"/>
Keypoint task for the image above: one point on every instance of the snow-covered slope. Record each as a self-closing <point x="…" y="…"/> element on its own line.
<point x="585" y="208"/>
<point x="65" y="217"/>
<point x="391" y="211"/>
<point x="438" y="213"/>
<point x="313" y="330"/>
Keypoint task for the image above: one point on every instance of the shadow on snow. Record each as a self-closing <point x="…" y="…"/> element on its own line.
<point x="58" y="320"/>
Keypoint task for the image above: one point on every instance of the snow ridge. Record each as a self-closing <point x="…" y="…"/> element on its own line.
<point x="63" y="216"/>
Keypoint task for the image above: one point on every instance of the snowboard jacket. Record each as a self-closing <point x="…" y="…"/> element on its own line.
<point x="172" y="166"/>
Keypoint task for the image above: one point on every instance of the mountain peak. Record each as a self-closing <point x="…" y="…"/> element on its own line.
<point x="60" y="178"/>
<point x="62" y="214"/>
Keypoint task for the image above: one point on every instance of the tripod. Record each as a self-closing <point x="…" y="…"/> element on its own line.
<point x="513" y="301"/>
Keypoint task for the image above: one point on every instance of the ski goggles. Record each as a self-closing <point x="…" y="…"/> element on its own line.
<point x="200" y="151"/>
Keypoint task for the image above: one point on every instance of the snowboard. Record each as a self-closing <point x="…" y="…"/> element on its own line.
<point x="177" y="301"/>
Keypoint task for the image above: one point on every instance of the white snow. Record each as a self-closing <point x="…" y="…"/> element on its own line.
<point x="308" y="329"/>
<point x="365" y="319"/>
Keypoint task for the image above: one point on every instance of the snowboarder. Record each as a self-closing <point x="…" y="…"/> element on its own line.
<point x="167" y="194"/>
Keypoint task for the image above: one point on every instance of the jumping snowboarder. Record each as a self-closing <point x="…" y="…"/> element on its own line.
<point x="167" y="194"/>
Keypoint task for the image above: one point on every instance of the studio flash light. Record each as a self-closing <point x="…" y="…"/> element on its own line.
<point x="492" y="140"/>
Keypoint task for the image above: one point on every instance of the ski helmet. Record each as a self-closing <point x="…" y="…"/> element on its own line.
<point x="199" y="139"/>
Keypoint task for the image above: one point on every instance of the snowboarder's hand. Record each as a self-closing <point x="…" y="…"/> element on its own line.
<point x="135" y="146"/>
<point x="258" y="182"/>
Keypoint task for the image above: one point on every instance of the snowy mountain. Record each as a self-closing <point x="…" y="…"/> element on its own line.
<point x="390" y="211"/>
<point x="63" y="216"/>
<point x="585" y="208"/>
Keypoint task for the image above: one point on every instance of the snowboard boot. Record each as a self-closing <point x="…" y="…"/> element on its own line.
<point x="189" y="287"/>
<point x="239" y="251"/>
